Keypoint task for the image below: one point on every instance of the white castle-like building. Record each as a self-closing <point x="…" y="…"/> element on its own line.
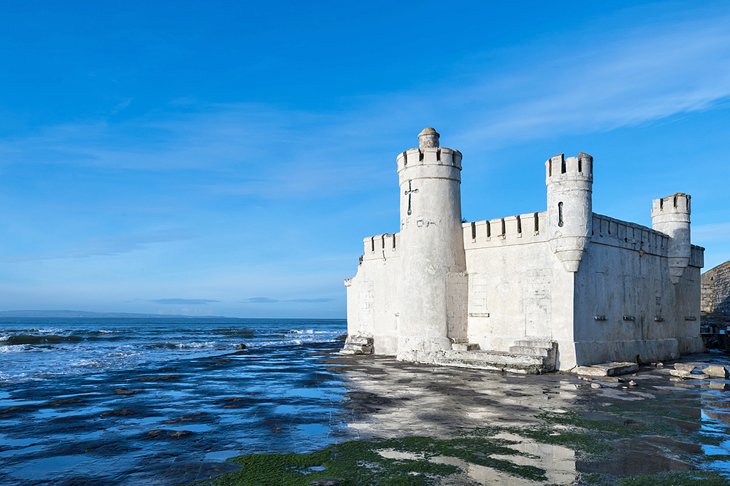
<point x="531" y="293"/>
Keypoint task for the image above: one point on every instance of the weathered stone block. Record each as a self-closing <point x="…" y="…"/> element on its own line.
<point x="607" y="369"/>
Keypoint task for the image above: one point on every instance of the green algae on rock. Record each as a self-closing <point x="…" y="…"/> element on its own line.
<point x="423" y="460"/>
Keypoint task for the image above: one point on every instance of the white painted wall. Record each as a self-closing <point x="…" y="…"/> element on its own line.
<point x="372" y="307"/>
<point x="517" y="286"/>
<point x="625" y="277"/>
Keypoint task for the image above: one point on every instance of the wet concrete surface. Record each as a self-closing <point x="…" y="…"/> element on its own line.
<point x="179" y="422"/>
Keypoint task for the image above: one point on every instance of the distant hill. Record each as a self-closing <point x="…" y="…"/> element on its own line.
<point x="75" y="313"/>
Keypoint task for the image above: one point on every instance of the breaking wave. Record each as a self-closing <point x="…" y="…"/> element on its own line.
<point x="191" y="345"/>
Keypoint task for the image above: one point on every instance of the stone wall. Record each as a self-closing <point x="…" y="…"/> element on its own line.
<point x="372" y="309"/>
<point x="716" y="289"/>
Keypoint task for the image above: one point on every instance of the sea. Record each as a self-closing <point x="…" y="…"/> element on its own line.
<point x="161" y="401"/>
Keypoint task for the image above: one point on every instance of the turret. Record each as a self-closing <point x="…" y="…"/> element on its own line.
<point x="670" y="215"/>
<point x="432" y="246"/>
<point x="570" y="206"/>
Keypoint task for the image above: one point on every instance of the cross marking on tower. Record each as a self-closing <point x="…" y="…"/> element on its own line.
<point x="408" y="193"/>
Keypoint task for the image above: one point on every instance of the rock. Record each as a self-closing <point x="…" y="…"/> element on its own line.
<point x="120" y="412"/>
<point x="688" y="367"/>
<point x="718" y="371"/>
<point x="241" y="346"/>
<point x="688" y="374"/>
<point x="160" y="378"/>
<point x="179" y="434"/>
<point x="596" y="385"/>
<point x="660" y="365"/>
<point x="607" y="369"/>
<point x="168" y="434"/>
<point x="326" y="482"/>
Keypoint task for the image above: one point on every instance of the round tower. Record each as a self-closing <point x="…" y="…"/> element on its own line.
<point x="569" y="206"/>
<point x="670" y="215"/>
<point x="432" y="246"/>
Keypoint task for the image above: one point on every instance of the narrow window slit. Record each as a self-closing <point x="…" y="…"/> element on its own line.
<point x="560" y="214"/>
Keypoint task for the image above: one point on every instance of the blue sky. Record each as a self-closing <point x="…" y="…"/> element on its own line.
<point x="227" y="158"/>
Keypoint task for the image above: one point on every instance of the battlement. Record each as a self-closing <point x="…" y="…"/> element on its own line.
<point x="697" y="257"/>
<point x="429" y="156"/>
<point x="560" y="168"/>
<point x="622" y="234"/>
<point x="676" y="203"/>
<point x="510" y="230"/>
<point x="381" y="247"/>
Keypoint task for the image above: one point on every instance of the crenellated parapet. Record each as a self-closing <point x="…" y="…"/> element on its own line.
<point x="560" y="169"/>
<point x="421" y="162"/>
<point x="429" y="156"/>
<point x="630" y="236"/>
<point x="510" y="230"/>
<point x="569" y="183"/>
<point x="671" y="216"/>
<point x="381" y="247"/>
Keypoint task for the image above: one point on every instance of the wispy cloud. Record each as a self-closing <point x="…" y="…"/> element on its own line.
<point x="620" y="78"/>
<point x="271" y="300"/>
<point x="710" y="233"/>
<point x="111" y="246"/>
<point x="176" y="301"/>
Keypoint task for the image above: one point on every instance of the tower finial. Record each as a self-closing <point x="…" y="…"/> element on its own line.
<point x="428" y="138"/>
